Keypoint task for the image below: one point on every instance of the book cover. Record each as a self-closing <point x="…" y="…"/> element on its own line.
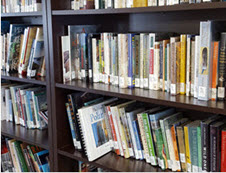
<point x="65" y="58"/>
<point x="14" y="46"/>
<point x="94" y="132"/>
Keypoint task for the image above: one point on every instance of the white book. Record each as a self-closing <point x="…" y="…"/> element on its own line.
<point x="7" y="97"/>
<point x="116" y="4"/>
<point x="91" y="120"/>
<point x="3" y="104"/>
<point x="205" y="72"/>
<point x="66" y="63"/>
<point x="162" y="2"/>
<point x="197" y="54"/>
<point x="95" y="62"/>
<point x="156" y="80"/>
<point x="106" y="57"/>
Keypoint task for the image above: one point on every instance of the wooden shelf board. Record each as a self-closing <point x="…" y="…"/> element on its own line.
<point x="110" y="161"/>
<point x="143" y="95"/>
<point x="19" y="78"/>
<point x="179" y="7"/>
<point x="30" y="136"/>
<point x="22" y="14"/>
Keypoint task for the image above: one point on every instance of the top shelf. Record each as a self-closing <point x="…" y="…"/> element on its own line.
<point x="22" y="14"/>
<point x="172" y="8"/>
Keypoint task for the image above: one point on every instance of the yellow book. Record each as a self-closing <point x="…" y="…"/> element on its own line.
<point x="140" y="3"/>
<point x="183" y="64"/>
<point x="187" y="148"/>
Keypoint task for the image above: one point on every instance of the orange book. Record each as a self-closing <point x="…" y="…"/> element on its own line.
<point x="177" y="159"/>
<point x="215" y="55"/>
<point x="140" y="3"/>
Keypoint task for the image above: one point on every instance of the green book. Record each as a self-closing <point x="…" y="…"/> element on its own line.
<point x="199" y="148"/>
<point x="20" y="155"/>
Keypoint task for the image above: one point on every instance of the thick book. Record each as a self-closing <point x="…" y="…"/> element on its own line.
<point x="205" y="61"/>
<point x="205" y="131"/>
<point x="222" y="68"/>
<point x="215" y="145"/>
<point x="14" y="46"/>
<point x="20" y="156"/>
<point x="91" y="119"/>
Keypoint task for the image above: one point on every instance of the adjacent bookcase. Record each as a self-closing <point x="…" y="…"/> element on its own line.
<point x="55" y="17"/>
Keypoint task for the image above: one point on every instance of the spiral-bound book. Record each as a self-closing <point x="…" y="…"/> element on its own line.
<point x="94" y="131"/>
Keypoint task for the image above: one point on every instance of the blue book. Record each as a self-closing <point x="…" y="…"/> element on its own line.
<point x="131" y="77"/>
<point x="137" y="136"/>
<point x="42" y="160"/>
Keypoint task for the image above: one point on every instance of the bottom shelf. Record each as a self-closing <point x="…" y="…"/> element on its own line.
<point x="111" y="161"/>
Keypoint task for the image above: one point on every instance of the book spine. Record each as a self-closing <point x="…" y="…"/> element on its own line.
<point x="192" y="67"/>
<point x="223" y="150"/>
<point x="106" y="58"/>
<point x="130" y="62"/>
<point x="193" y="143"/>
<point x="177" y="159"/>
<point x="133" y="136"/>
<point x="173" y="73"/>
<point x="15" y="110"/>
<point x="133" y="60"/>
<point x="149" y="138"/>
<point x="197" y="54"/>
<point x="222" y="68"/>
<point x="142" y="37"/>
<point x="71" y="124"/>
<point x="156" y="66"/>
<point x="187" y="148"/>
<point x="138" y="142"/>
<point x="205" y="147"/>
<point x="168" y="68"/>
<point x="151" y="60"/>
<point x="181" y="146"/>
<point x="35" y="110"/>
<point x="164" y="86"/>
<point x="7" y="93"/>
<point x="143" y="138"/>
<point x="20" y="157"/>
<point x="205" y="76"/>
<point x="146" y="62"/>
<point x="215" y="55"/>
<point x="188" y="66"/>
<point x="90" y="62"/>
<point x="161" y="65"/>
<point x="137" y="60"/>
<point x="213" y="149"/>
<point x="89" y="4"/>
<point x="183" y="64"/>
<point x="199" y="149"/>
<point x="95" y="60"/>
<point x="19" y="166"/>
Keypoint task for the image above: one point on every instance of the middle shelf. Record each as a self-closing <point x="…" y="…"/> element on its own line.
<point x="150" y="96"/>
<point x="30" y="136"/>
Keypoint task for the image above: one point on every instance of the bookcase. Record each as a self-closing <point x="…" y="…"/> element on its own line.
<point x="55" y="17"/>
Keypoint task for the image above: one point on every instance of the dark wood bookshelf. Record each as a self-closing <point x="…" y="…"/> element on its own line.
<point x="22" y="14"/>
<point x="111" y="161"/>
<point x="161" y="9"/>
<point x="19" y="78"/>
<point x="144" y="95"/>
<point x="30" y="136"/>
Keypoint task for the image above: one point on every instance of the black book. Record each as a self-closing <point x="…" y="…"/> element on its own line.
<point x="205" y="126"/>
<point x="215" y="145"/>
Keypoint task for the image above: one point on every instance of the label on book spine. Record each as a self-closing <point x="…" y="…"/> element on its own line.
<point x="202" y="91"/>
<point x="145" y="83"/>
<point x="182" y="158"/>
<point x="137" y="82"/>
<point x="221" y="92"/>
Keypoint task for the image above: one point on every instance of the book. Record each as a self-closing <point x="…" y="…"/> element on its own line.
<point x="91" y="121"/>
<point x="215" y="55"/>
<point x="196" y="70"/>
<point x="221" y="69"/>
<point x="188" y="65"/>
<point x="151" y="59"/>
<point x="65" y="59"/>
<point x="223" y="152"/>
<point x="215" y="145"/>
<point x="140" y="3"/>
<point x="137" y="61"/>
<point x="205" y="71"/>
<point x="14" y="45"/>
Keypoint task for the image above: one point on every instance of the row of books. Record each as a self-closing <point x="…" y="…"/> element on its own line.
<point x="23" y="50"/>
<point x="25" y="104"/>
<point x="185" y="64"/>
<point x="16" y="6"/>
<point x="18" y="156"/>
<point x="85" y="167"/>
<point x="104" y="4"/>
<point x="160" y="135"/>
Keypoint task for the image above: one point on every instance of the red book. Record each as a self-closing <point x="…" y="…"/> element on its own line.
<point x="223" y="150"/>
